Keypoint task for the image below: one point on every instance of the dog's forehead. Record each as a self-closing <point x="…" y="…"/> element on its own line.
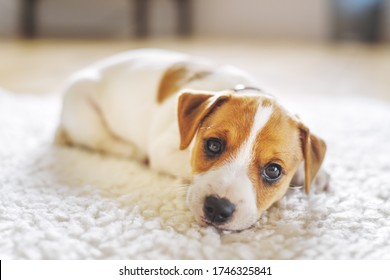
<point x="235" y="116"/>
<point x="244" y="114"/>
<point x="243" y="109"/>
<point x="258" y="100"/>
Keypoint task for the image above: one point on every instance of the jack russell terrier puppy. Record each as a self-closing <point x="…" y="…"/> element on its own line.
<point x="240" y="149"/>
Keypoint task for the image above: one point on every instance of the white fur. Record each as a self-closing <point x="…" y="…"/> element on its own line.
<point x="231" y="180"/>
<point x="261" y="118"/>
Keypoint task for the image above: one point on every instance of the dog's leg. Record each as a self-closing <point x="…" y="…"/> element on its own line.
<point x="165" y="156"/>
<point x="321" y="180"/>
<point x="61" y="137"/>
<point x="83" y="123"/>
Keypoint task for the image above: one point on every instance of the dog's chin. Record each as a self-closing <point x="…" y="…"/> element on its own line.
<point x="231" y="227"/>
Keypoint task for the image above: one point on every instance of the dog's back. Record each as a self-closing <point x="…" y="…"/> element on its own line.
<point x="119" y="104"/>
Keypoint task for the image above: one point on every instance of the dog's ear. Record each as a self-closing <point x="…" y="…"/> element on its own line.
<point x="193" y="107"/>
<point x="313" y="149"/>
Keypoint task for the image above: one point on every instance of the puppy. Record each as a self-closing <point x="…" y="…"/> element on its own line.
<point x="187" y="117"/>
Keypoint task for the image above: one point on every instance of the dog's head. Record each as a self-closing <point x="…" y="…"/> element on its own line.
<point x="245" y="149"/>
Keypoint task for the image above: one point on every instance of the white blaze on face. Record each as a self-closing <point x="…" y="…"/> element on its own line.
<point x="231" y="181"/>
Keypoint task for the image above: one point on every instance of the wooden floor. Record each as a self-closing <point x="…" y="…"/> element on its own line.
<point x="42" y="66"/>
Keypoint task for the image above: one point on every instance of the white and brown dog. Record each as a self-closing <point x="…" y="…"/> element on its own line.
<point x="185" y="116"/>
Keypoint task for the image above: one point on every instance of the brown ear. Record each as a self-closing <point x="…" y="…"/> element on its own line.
<point x="193" y="107"/>
<point x="313" y="149"/>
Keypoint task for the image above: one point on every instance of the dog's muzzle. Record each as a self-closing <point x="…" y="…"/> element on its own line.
<point x="217" y="210"/>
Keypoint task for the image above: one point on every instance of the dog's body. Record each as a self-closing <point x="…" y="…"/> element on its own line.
<point x="182" y="115"/>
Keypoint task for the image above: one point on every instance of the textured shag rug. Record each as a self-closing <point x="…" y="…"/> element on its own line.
<point x="67" y="203"/>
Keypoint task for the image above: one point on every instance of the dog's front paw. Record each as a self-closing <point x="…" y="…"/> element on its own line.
<point x="322" y="180"/>
<point x="61" y="137"/>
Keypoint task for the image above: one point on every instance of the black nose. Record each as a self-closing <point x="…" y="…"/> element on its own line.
<point x="218" y="210"/>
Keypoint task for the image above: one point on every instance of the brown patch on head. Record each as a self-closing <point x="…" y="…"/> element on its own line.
<point x="230" y="123"/>
<point x="177" y="76"/>
<point x="278" y="142"/>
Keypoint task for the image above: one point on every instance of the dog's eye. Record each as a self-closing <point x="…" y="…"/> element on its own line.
<point x="214" y="146"/>
<point x="272" y="172"/>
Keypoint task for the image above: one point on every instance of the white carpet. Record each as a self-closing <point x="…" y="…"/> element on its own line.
<point x="65" y="203"/>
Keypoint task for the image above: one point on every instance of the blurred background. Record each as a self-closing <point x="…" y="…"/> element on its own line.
<point x="298" y="46"/>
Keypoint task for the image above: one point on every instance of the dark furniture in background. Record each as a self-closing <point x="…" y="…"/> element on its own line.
<point x="27" y="18"/>
<point x="358" y="20"/>
<point x="28" y="21"/>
